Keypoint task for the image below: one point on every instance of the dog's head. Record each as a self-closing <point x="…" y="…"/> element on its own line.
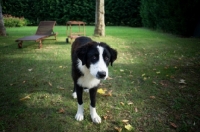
<point x="96" y="57"/>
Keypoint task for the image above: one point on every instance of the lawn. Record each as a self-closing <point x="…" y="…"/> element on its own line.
<point x="153" y="85"/>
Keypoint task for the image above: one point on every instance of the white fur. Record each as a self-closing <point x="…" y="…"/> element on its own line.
<point x="95" y="117"/>
<point x="100" y="65"/>
<point x="74" y="95"/>
<point x="86" y="90"/>
<point x="87" y="81"/>
<point x="79" y="115"/>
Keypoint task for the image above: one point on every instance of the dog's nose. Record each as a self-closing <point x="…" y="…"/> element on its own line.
<point x="101" y="74"/>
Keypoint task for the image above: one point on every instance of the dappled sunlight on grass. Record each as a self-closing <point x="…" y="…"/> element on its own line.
<point x="145" y="83"/>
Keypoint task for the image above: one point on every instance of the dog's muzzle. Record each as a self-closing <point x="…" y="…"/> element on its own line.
<point x="101" y="75"/>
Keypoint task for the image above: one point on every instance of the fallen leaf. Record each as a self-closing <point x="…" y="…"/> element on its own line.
<point x="30" y="69"/>
<point x="50" y="84"/>
<point x="61" y="111"/>
<point x="101" y="91"/>
<point x="118" y="129"/>
<point x="125" y="121"/>
<point x="60" y="66"/>
<point x="154" y="82"/>
<point x="109" y="78"/>
<point x="158" y="72"/>
<point x="182" y="81"/>
<point x="61" y="88"/>
<point x="121" y="70"/>
<point x="152" y="97"/>
<point x="130" y="103"/>
<point x="121" y="103"/>
<point x="128" y="127"/>
<point x="105" y="117"/>
<point x="109" y="93"/>
<point x="26" y="97"/>
<point x="173" y="125"/>
<point x="136" y="110"/>
<point x="143" y="75"/>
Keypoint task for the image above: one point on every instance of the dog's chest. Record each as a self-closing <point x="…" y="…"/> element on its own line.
<point x="87" y="80"/>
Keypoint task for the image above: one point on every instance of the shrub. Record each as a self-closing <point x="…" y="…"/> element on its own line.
<point x="11" y="21"/>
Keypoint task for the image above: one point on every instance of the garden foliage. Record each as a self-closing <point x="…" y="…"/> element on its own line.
<point x="118" y="12"/>
<point x="172" y="16"/>
<point x="11" y="21"/>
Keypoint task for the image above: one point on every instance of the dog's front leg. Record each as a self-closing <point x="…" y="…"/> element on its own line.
<point x="95" y="117"/>
<point x="79" y="115"/>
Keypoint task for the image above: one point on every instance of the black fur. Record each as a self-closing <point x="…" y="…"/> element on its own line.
<point x="84" y="48"/>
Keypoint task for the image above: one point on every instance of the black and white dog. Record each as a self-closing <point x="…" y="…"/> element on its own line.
<point x="90" y="62"/>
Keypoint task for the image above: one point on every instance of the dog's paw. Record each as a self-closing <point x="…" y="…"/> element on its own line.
<point x="74" y="95"/>
<point x="79" y="117"/>
<point x="95" y="117"/>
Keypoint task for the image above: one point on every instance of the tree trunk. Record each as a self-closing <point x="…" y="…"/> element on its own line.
<point x="2" y="27"/>
<point x="99" y="19"/>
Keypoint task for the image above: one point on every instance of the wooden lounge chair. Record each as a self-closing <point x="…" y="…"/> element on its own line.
<point x="45" y="29"/>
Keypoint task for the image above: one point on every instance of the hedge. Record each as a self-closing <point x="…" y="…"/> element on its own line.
<point x="173" y="16"/>
<point x="65" y="10"/>
<point x="11" y="21"/>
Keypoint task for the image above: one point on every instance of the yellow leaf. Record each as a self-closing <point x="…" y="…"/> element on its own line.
<point x="128" y="127"/>
<point x="26" y="97"/>
<point x="101" y="91"/>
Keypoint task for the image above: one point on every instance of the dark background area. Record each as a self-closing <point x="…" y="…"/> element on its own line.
<point x="181" y="17"/>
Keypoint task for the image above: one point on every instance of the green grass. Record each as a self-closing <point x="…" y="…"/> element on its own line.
<point x="145" y="85"/>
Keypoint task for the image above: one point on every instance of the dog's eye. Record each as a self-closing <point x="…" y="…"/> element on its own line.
<point x="94" y="57"/>
<point x="106" y="58"/>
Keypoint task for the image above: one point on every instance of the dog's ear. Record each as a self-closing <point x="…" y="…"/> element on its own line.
<point x="82" y="53"/>
<point x="113" y="53"/>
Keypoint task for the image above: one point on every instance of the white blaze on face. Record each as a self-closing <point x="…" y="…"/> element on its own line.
<point x="87" y="81"/>
<point x="90" y="80"/>
<point x="100" y="65"/>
